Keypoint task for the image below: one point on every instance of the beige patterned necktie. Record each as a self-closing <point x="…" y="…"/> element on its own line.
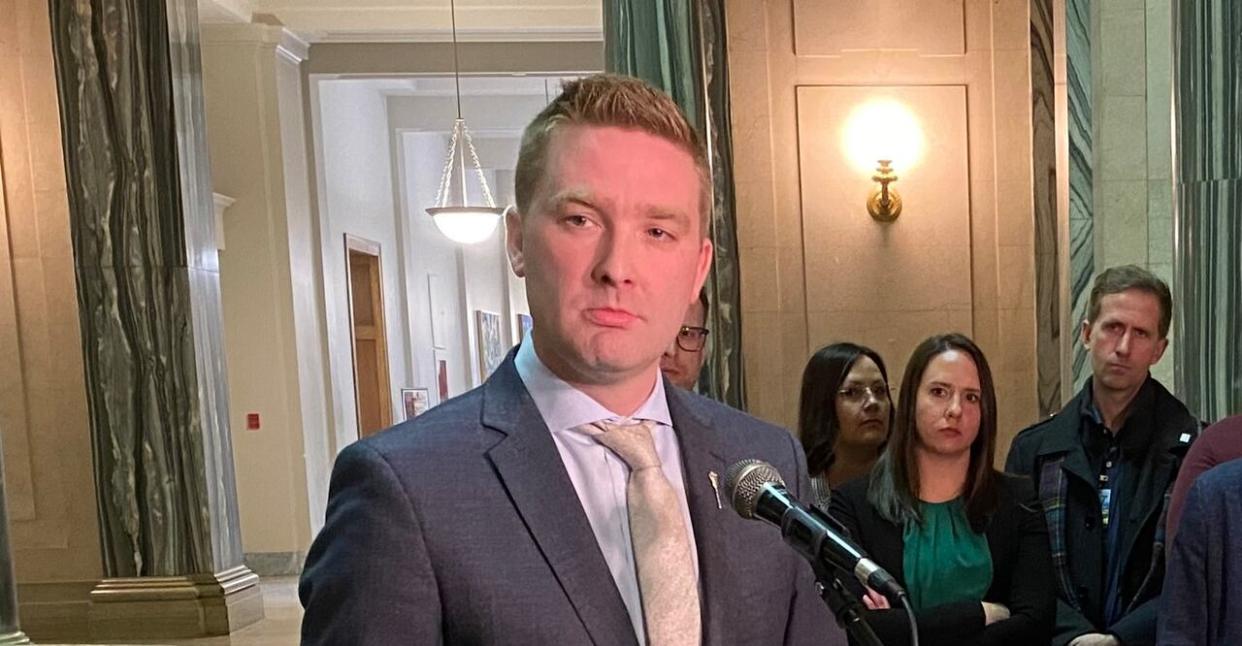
<point x="666" y="577"/>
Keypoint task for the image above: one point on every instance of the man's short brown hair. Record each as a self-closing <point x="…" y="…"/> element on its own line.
<point x="1116" y="280"/>
<point x="608" y="100"/>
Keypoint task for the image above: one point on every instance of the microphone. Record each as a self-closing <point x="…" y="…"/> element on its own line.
<point x="756" y="490"/>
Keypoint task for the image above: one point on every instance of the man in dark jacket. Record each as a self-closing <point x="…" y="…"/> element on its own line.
<point x="1105" y="464"/>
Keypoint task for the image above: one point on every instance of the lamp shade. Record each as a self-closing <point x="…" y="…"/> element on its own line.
<point x="466" y="224"/>
<point x="454" y="215"/>
<point x="463" y="222"/>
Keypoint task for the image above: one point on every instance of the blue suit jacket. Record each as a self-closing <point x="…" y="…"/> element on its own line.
<point x="1202" y="598"/>
<point x="462" y="527"/>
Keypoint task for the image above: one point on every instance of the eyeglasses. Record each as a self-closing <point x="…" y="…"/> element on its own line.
<point x="859" y="394"/>
<point x="691" y="338"/>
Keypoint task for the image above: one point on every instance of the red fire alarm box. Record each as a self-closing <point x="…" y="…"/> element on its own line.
<point x="252" y="421"/>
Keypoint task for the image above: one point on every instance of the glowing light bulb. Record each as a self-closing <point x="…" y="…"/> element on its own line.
<point x="883" y="129"/>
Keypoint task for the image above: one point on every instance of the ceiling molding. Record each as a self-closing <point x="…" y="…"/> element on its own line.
<point x="391" y="59"/>
<point x="346" y="21"/>
<point x="547" y="34"/>
<point x="480" y="133"/>
<point x="285" y="42"/>
<point x="224" y="11"/>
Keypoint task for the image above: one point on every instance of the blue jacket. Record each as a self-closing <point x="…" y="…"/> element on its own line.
<point x="462" y="527"/>
<point x="1203" y="580"/>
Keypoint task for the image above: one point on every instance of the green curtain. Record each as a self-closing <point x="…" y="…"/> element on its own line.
<point x="679" y="46"/>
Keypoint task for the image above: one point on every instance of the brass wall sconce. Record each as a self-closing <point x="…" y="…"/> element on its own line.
<point x="886" y="132"/>
<point x="884" y="204"/>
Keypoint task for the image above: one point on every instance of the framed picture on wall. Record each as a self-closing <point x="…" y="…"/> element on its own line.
<point x="416" y="401"/>
<point x="442" y="378"/>
<point x="491" y="351"/>
<point x="524" y="324"/>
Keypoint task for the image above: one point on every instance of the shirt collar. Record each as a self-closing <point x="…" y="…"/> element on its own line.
<point x="1136" y="430"/>
<point x="564" y="407"/>
<point x="1087" y="408"/>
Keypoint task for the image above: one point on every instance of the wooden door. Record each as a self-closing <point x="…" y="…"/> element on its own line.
<point x="372" y="390"/>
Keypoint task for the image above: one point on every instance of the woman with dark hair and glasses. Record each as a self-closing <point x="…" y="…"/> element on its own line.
<point x="967" y="542"/>
<point x="843" y="415"/>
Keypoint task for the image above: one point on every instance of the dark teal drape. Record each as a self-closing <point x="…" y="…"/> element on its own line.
<point x="679" y="46"/>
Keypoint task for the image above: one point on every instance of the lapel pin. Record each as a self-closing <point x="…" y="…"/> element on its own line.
<point x="715" y="480"/>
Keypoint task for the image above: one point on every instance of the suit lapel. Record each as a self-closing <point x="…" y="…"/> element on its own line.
<point x="698" y="442"/>
<point x="530" y="467"/>
<point x="1064" y="440"/>
<point x="1076" y="465"/>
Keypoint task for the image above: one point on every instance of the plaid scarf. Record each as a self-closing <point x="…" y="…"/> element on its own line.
<point x="1052" y="498"/>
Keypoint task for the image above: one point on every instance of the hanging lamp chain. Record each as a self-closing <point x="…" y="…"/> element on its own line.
<point x="461" y="139"/>
<point x="456" y="64"/>
<point x="478" y="168"/>
<point x="442" y="191"/>
<point x="460" y="144"/>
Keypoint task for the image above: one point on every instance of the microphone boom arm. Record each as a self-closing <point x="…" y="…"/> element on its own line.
<point x="756" y="490"/>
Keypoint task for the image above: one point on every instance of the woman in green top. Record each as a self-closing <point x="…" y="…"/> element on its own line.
<point x="966" y="541"/>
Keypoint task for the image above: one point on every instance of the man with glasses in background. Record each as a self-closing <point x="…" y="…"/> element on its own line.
<point x="683" y="358"/>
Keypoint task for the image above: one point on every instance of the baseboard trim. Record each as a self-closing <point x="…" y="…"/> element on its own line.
<point x="197" y="605"/>
<point x="55" y="612"/>
<point x="275" y="563"/>
<point x="17" y="638"/>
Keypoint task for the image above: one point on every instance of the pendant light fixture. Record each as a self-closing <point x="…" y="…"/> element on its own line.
<point x="453" y="214"/>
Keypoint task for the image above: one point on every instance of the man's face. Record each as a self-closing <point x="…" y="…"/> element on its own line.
<point x="612" y="251"/>
<point x="1124" y="340"/>
<point x="682" y="366"/>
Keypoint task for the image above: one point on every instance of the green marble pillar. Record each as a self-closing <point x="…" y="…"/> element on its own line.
<point x="1207" y="203"/>
<point x="130" y="82"/>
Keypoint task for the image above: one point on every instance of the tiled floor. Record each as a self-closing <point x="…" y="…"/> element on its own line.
<point x="279" y="627"/>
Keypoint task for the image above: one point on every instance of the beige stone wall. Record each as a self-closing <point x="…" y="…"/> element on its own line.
<point x="269" y="287"/>
<point x="806" y="239"/>
<point x="1133" y="62"/>
<point x="43" y="413"/>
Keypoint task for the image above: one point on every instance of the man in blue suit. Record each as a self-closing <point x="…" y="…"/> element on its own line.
<point x="1203" y="583"/>
<point x="575" y="497"/>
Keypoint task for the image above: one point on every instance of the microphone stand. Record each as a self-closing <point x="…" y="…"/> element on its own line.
<point x="843" y="603"/>
<point x="845" y="606"/>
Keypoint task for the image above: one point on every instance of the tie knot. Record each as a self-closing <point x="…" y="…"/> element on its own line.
<point x="631" y="440"/>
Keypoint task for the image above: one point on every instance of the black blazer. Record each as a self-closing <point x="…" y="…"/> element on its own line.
<point x="1021" y="571"/>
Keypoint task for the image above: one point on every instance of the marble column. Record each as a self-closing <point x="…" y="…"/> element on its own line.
<point x="1207" y="185"/>
<point x="10" y="631"/>
<point x="141" y="211"/>
<point x="1048" y="323"/>
<point x="1079" y="103"/>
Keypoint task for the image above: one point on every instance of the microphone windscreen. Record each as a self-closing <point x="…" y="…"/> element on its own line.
<point x="743" y="482"/>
